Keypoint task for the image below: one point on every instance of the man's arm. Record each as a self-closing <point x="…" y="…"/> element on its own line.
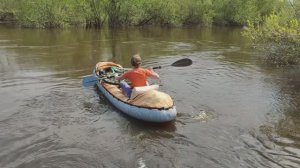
<point x="153" y="74"/>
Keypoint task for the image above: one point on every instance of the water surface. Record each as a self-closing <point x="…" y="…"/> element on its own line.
<point x="233" y="109"/>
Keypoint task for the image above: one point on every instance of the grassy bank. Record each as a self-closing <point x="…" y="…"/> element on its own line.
<point x="115" y="13"/>
<point x="273" y="24"/>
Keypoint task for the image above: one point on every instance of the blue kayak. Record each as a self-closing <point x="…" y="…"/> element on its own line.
<point x="151" y="105"/>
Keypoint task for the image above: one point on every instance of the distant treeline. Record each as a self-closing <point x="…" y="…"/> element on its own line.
<point x="116" y="13"/>
<point x="272" y="25"/>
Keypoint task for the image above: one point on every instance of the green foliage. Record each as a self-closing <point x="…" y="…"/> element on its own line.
<point x="43" y="13"/>
<point x="240" y="11"/>
<point x="157" y="12"/>
<point x="279" y="36"/>
<point x="96" y="13"/>
<point x="273" y="23"/>
<point x="194" y="12"/>
<point x="8" y="5"/>
<point x="7" y="9"/>
<point x="93" y="11"/>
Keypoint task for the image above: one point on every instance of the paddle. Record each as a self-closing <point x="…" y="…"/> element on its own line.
<point x="91" y="80"/>
<point x="179" y="63"/>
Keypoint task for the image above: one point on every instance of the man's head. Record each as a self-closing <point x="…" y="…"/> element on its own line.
<point x="136" y="60"/>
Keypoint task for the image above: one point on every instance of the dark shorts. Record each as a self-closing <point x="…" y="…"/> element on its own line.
<point x="126" y="88"/>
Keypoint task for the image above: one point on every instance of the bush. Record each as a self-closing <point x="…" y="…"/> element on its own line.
<point x="279" y="37"/>
<point x="41" y="13"/>
<point x="93" y="11"/>
<point x="7" y="10"/>
<point x="157" y="12"/>
<point x="195" y="12"/>
<point x="238" y="12"/>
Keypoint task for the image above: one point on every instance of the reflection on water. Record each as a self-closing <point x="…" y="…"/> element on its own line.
<point x="283" y="134"/>
<point x="233" y="110"/>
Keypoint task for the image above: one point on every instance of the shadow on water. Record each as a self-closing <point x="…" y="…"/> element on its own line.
<point x="155" y="130"/>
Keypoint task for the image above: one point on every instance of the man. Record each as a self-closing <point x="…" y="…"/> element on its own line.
<point x="137" y="75"/>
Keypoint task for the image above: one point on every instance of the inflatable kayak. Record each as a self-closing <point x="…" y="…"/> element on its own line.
<point x="146" y="104"/>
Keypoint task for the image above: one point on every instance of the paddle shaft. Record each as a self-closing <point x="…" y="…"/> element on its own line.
<point x="157" y="67"/>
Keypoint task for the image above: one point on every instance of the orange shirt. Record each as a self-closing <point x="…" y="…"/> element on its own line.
<point x="137" y="76"/>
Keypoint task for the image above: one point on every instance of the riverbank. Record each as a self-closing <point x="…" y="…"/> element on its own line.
<point x="169" y="13"/>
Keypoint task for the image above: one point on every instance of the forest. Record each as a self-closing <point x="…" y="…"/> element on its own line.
<point x="273" y="23"/>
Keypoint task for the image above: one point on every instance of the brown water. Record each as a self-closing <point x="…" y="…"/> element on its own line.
<point x="234" y="110"/>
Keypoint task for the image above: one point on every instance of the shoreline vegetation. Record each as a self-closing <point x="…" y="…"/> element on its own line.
<point x="118" y="13"/>
<point x="272" y="23"/>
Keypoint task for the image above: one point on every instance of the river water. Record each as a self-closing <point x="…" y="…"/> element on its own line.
<point x="234" y="110"/>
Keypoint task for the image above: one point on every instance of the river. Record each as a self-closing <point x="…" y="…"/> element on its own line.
<point x="234" y="110"/>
